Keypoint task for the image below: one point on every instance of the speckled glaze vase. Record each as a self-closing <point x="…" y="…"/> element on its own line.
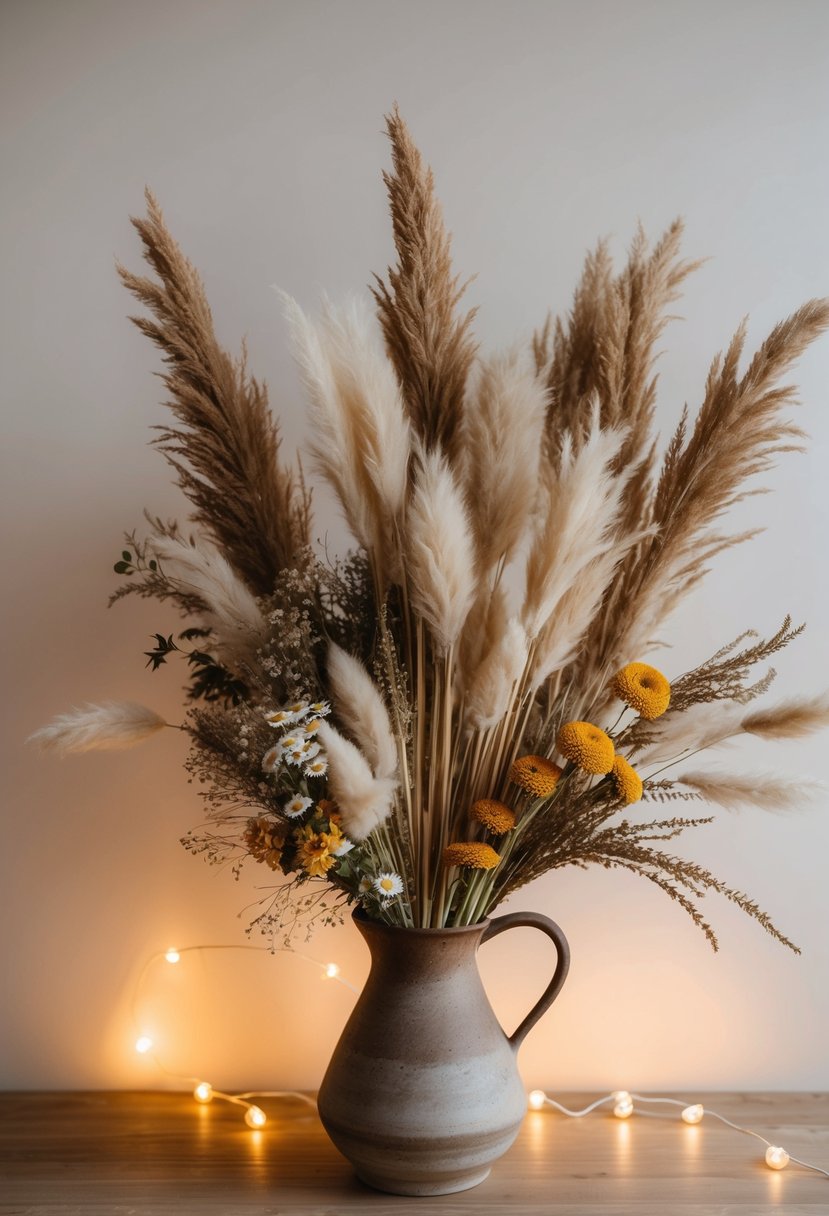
<point x="423" y="1094"/>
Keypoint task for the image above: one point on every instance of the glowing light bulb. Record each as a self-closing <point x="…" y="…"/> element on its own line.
<point x="255" y="1117"/>
<point x="172" y="955"/>
<point x="143" y="1045"/>
<point x="776" y="1158"/>
<point x="332" y="970"/>
<point x="203" y="1092"/>
<point x="536" y="1099"/>
<point x="622" y="1104"/>
<point x="693" y="1114"/>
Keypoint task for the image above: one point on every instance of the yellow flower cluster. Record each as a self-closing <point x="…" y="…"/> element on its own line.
<point x="263" y="843"/>
<point x="586" y="746"/>
<point x="493" y="815"/>
<point x="317" y="851"/>
<point x="535" y="774"/>
<point x="627" y="781"/>
<point x="472" y="854"/>
<point x="644" y="689"/>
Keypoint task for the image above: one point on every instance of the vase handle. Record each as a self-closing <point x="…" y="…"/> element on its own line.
<point x="535" y="921"/>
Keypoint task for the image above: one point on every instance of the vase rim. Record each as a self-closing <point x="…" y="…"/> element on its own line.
<point x="361" y="917"/>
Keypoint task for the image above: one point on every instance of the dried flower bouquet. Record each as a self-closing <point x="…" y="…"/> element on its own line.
<point x="458" y="705"/>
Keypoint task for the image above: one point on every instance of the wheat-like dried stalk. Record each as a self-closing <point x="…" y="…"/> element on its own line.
<point x="225" y="448"/>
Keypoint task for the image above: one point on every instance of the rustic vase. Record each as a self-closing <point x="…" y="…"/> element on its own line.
<point x="423" y="1094"/>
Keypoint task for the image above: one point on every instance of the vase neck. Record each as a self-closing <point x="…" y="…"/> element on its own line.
<point x="432" y="952"/>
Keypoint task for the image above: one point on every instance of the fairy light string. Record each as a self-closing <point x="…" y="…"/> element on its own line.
<point x="203" y="1091"/>
<point x="623" y="1103"/>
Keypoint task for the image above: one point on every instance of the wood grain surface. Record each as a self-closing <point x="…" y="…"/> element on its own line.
<point x="155" y="1154"/>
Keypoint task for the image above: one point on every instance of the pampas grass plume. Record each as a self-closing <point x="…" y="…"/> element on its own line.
<point x="440" y="560"/>
<point x="364" y="801"/>
<point x="105" y="727"/>
<point x="359" y="704"/>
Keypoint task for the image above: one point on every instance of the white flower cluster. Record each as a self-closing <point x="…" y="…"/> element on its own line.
<point x="298" y="746"/>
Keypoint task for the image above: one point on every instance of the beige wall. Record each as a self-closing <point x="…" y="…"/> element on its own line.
<point x="259" y="126"/>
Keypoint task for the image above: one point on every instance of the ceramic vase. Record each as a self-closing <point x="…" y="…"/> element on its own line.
<point x="423" y="1093"/>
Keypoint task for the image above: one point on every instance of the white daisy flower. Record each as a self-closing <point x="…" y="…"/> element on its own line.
<point x="321" y="709"/>
<point x="388" y="884"/>
<point x="366" y="885"/>
<point x="311" y="728"/>
<point x="299" y="709"/>
<point x="317" y="767"/>
<point x="297" y="806"/>
<point x="345" y="846"/>
<point x="271" y="758"/>
<point x="280" y="717"/>
<point x="309" y="750"/>
<point x="287" y="742"/>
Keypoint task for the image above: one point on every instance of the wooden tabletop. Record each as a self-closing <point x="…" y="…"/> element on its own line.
<point x="155" y="1154"/>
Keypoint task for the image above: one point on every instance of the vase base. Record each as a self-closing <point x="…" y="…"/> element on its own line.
<point x="422" y="1186"/>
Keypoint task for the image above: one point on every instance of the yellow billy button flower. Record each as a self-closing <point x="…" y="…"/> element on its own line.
<point x="587" y="746"/>
<point x="627" y="781"/>
<point x="535" y="774"/>
<point x="644" y="689"/>
<point x="493" y="815"/>
<point x="472" y="854"/>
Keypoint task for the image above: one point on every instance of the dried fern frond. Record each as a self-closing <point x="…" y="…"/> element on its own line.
<point x="225" y="448"/>
<point x="429" y="343"/>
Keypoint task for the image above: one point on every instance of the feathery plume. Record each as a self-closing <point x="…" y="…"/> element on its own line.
<point x="360" y="435"/>
<point x="105" y="727"/>
<point x="360" y="705"/>
<point x="491" y="688"/>
<point x="225" y="448"/>
<point x="363" y="800"/>
<point x="429" y="344"/>
<point x="767" y="791"/>
<point x="232" y="613"/>
<point x="789" y="719"/>
<point x="500" y="448"/>
<point x="576" y="527"/>
<point x="439" y="557"/>
<point x="699" y="726"/>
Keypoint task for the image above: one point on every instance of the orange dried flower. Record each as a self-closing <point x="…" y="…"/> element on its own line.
<point x="471" y="853"/>
<point x="493" y="815"/>
<point x="535" y="774"/>
<point x="627" y="781"/>
<point x="644" y="689"/>
<point x="587" y="746"/>
<point x="263" y="841"/>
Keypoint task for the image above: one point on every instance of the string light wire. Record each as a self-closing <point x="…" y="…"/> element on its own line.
<point x="624" y="1103"/>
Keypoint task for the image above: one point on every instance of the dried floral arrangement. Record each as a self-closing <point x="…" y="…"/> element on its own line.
<point x="424" y="725"/>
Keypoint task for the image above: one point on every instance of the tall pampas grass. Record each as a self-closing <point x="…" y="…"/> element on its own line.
<point x="429" y="342"/>
<point x="231" y="612"/>
<point x="789" y="719"/>
<point x="440" y="559"/>
<point x="359" y="433"/>
<point x="361" y="706"/>
<point x="109" y="726"/>
<point x="364" y="801"/>
<point x="225" y="446"/>
<point x="501" y="445"/>
<point x="576" y="525"/>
